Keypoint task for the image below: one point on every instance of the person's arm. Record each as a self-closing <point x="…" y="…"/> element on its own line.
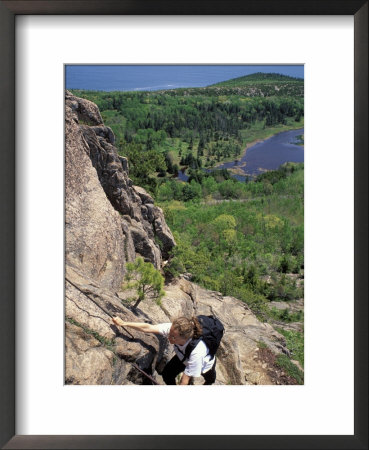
<point x="185" y="379"/>
<point x="140" y="326"/>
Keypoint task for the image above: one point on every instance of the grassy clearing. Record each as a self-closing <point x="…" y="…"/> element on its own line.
<point x="258" y="131"/>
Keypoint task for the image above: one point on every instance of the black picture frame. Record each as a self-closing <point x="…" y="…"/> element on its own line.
<point x="8" y="11"/>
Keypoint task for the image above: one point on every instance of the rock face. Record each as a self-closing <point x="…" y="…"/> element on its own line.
<point x="90" y="151"/>
<point x="109" y="221"/>
<point x="95" y="238"/>
<point x="98" y="352"/>
<point x="238" y="355"/>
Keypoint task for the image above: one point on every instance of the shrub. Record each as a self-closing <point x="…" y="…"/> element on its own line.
<point x="145" y="279"/>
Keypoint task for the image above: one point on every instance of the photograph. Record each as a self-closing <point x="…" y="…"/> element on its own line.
<point x="184" y="224"/>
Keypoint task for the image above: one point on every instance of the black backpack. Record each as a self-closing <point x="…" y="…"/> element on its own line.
<point x="212" y="333"/>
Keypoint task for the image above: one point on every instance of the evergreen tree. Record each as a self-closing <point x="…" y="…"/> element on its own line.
<point x="145" y="279"/>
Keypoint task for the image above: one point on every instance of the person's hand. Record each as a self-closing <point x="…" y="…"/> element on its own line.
<point x="118" y="321"/>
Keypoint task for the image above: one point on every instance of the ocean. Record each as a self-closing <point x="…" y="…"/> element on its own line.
<point x="158" y="77"/>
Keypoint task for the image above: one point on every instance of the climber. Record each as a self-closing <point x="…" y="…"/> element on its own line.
<point x="182" y="332"/>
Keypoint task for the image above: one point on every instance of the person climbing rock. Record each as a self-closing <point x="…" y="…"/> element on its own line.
<point x="193" y="357"/>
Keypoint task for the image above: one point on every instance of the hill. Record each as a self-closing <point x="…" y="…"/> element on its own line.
<point x="259" y="77"/>
<point x="263" y="85"/>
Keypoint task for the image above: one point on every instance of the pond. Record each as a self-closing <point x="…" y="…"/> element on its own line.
<point x="265" y="155"/>
<point x="268" y="155"/>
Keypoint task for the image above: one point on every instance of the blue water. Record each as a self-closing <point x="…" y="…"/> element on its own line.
<point x="266" y="155"/>
<point x="157" y="77"/>
<point x="269" y="154"/>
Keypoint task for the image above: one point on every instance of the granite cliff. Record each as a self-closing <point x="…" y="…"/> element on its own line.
<point x="109" y="222"/>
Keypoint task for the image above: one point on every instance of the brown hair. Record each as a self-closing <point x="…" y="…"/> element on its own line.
<point x="187" y="328"/>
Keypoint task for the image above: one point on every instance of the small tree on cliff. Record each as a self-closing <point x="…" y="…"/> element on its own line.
<point x="145" y="279"/>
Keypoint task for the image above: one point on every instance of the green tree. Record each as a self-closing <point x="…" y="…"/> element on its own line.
<point x="169" y="162"/>
<point x="224" y="222"/>
<point x="250" y="277"/>
<point x="175" y="170"/>
<point x="165" y="192"/>
<point x="191" y="191"/>
<point x="147" y="280"/>
<point x="142" y="164"/>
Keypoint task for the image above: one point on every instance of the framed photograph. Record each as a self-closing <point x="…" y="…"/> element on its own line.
<point x="44" y="404"/>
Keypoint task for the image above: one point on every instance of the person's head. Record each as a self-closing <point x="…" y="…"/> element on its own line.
<point x="183" y="329"/>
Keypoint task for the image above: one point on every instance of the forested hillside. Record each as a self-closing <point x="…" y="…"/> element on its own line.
<point x="232" y="246"/>
<point x="162" y="132"/>
<point x="261" y="79"/>
<point x="250" y="247"/>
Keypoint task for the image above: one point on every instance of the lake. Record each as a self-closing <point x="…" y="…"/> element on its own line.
<point x="265" y="155"/>
<point x="269" y="154"/>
